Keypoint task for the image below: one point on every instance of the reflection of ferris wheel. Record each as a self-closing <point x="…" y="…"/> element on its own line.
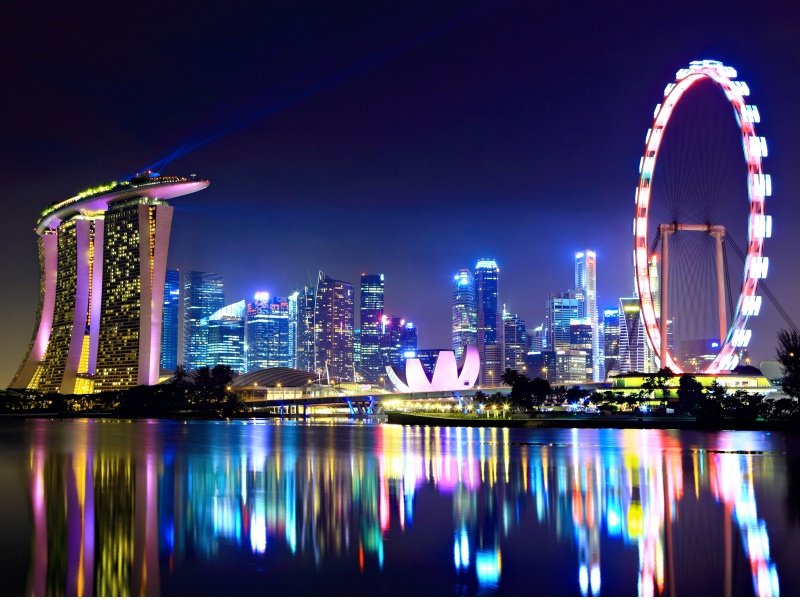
<point x="654" y="293"/>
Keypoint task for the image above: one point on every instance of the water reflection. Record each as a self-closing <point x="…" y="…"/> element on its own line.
<point x="119" y="508"/>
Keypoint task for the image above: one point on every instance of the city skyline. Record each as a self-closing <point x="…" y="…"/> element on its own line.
<point x="517" y="151"/>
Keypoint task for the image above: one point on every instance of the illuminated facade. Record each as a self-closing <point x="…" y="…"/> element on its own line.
<point x="226" y="329"/>
<point x="103" y="259"/>
<point x="269" y="328"/>
<point x="561" y="310"/>
<point x="515" y="342"/>
<point x="634" y="354"/>
<point x="490" y="334"/>
<point x="304" y="349"/>
<point x="203" y="295"/>
<point x="581" y="339"/>
<point x="169" y="328"/>
<point x="586" y="291"/>
<point x="398" y="341"/>
<point x="334" y="323"/>
<point x="465" y="313"/>
<point x="611" y="341"/>
<point x="370" y="315"/>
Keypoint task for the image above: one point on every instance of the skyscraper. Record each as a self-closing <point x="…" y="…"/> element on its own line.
<point x="103" y="259"/>
<point x="586" y="292"/>
<point x="515" y="342"/>
<point x="267" y="333"/>
<point x="536" y="338"/>
<point x="465" y="313"/>
<point x="226" y="331"/>
<point x="203" y="295"/>
<point x="581" y="339"/>
<point x="633" y="351"/>
<point x="305" y="355"/>
<point x="370" y="314"/>
<point x="169" y="327"/>
<point x="334" y="322"/>
<point x="611" y="340"/>
<point x="398" y="341"/>
<point x="561" y="309"/>
<point x="489" y="321"/>
<point x="292" y="301"/>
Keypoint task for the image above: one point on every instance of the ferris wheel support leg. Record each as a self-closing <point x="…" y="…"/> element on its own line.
<point x="662" y="355"/>
<point x="723" y="325"/>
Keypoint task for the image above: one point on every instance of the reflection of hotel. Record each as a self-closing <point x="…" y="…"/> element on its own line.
<point x="103" y="256"/>
<point x="128" y="515"/>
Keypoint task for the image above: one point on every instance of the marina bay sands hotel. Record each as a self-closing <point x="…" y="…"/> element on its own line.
<point x="103" y="258"/>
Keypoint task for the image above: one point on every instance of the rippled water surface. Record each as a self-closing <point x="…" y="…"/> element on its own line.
<point x="260" y="508"/>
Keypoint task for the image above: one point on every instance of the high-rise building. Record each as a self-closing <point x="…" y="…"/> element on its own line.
<point x="357" y="355"/>
<point x="536" y="338"/>
<point x="370" y="314"/>
<point x="611" y="340"/>
<point x="203" y="295"/>
<point x="169" y="326"/>
<point x="487" y="283"/>
<point x="562" y="308"/>
<point x="103" y="257"/>
<point x="267" y="333"/>
<point x="634" y="351"/>
<point x="305" y="355"/>
<point x="226" y="337"/>
<point x="465" y="312"/>
<point x="581" y="334"/>
<point x="293" y="302"/>
<point x="334" y="322"/>
<point x="515" y="342"/>
<point x="586" y="292"/>
<point x="398" y="341"/>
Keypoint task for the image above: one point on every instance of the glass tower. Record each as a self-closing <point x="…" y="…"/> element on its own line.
<point x="561" y="309"/>
<point x="268" y="333"/>
<point x="371" y="313"/>
<point x="489" y="321"/>
<point x="515" y="342"/>
<point x="305" y="355"/>
<point x="203" y="295"/>
<point x="334" y="322"/>
<point x="169" y="326"/>
<point x="398" y="341"/>
<point x="611" y="340"/>
<point x="465" y="314"/>
<point x="586" y="292"/>
<point x="226" y="337"/>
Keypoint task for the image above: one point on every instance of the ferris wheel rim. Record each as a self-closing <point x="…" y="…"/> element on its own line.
<point x="759" y="187"/>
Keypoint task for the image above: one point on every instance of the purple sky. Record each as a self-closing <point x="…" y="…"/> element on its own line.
<point x="510" y="129"/>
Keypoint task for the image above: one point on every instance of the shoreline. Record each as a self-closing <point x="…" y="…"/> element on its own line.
<point x="426" y="420"/>
<point x="592" y="422"/>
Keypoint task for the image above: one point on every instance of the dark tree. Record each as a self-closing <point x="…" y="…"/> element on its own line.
<point x="690" y="394"/>
<point x="540" y="390"/>
<point x="789" y="356"/>
<point x="510" y="376"/>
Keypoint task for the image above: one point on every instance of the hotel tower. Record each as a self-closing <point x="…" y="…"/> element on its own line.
<point x="103" y="258"/>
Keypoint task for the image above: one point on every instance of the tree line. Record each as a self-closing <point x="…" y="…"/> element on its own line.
<point x="203" y="393"/>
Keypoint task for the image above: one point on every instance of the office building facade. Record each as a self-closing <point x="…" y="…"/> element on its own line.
<point x="465" y="313"/>
<point x="489" y="338"/>
<point x="371" y="307"/>
<point x="268" y="333"/>
<point x="203" y="295"/>
<point x="171" y="320"/>
<point x="226" y="337"/>
<point x="586" y="293"/>
<point x="334" y="324"/>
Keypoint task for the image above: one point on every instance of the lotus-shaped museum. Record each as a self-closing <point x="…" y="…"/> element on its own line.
<point x="447" y="375"/>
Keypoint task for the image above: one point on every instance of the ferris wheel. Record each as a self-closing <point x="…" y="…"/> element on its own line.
<point x="652" y="251"/>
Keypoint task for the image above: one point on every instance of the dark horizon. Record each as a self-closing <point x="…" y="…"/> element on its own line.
<point x="442" y="134"/>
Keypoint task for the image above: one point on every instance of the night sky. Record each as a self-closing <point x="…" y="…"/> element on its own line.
<point x="409" y="138"/>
